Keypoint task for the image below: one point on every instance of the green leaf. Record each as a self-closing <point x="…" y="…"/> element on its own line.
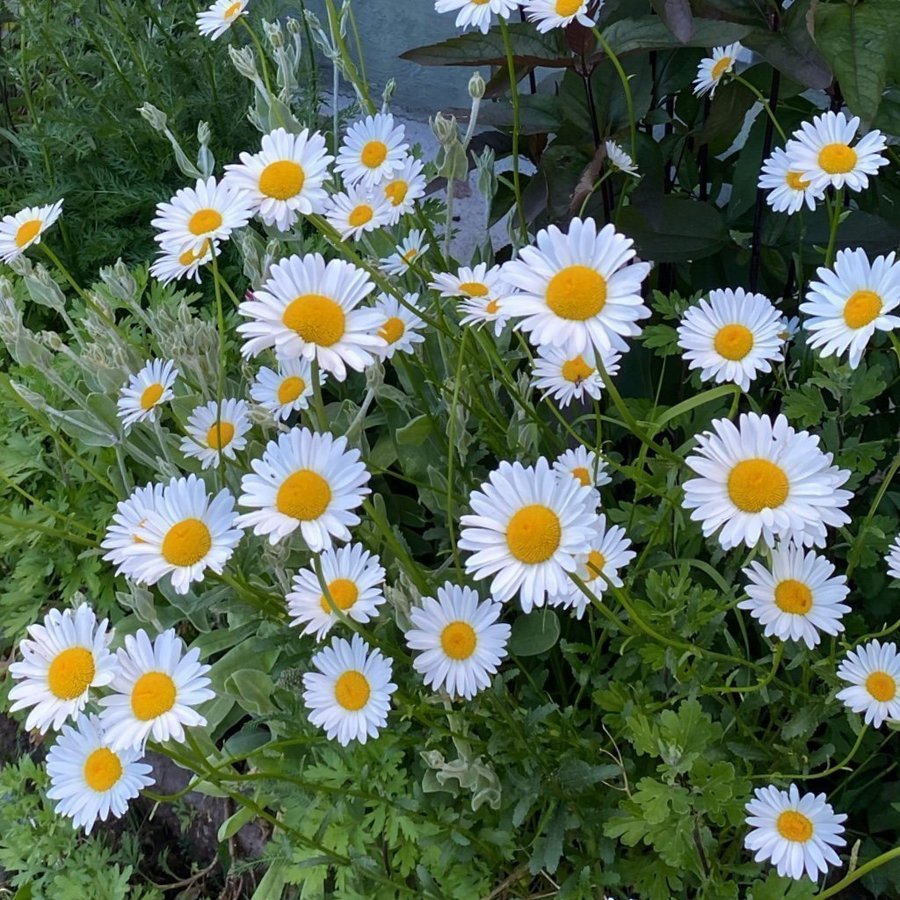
<point x="534" y="633"/>
<point x="678" y="17"/>
<point x="416" y="432"/>
<point x="253" y="690"/>
<point x="234" y="823"/>
<point x="651" y="33"/>
<point x="675" y="230"/>
<point x="805" y="406"/>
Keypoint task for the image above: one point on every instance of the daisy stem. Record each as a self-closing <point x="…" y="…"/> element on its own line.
<point x="626" y="87"/>
<point x="72" y="523"/>
<point x="220" y="380"/>
<point x="765" y="103"/>
<point x="895" y="342"/>
<point x="750" y="688"/>
<point x="856" y="549"/>
<point x="412" y="570"/>
<point x="834" y="213"/>
<point x="351" y="73"/>
<point x="864" y="869"/>
<point x="25" y="525"/>
<point x="514" y="95"/>
<point x="451" y="429"/>
<point x="318" y="403"/>
<point x="225" y="286"/>
<point x="265" y="67"/>
<point x="592" y="191"/>
<point x="811" y="776"/>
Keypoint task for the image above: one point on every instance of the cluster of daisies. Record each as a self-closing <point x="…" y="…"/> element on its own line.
<point x="105" y="705"/>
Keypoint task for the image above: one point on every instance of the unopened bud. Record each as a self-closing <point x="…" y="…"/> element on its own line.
<point x="476" y="86"/>
<point x="444" y="128"/>
<point x="156" y="117"/>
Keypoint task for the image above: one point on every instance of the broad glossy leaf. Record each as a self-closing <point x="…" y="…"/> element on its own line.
<point x="678" y="17"/>
<point x="534" y="633"/>
<point x="676" y="231"/>
<point x="528" y="45"/>
<point x="651" y="33"/>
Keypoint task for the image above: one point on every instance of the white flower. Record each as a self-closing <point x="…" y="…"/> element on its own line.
<point x="797" y="596"/>
<point x="893" y="559"/>
<point x="88" y="780"/>
<point x="576" y="289"/>
<point x="62" y="659"/>
<point x="25" y="228"/>
<point x="849" y="304"/>
<point x="549" y="14"/>
<point x="526" y="529"/>
<point x="216" y="20"/>
<point x="410" y="250"/>
<point x="354" y="578"/>
<point x="372" y="150"/>
<point x="584" y="465"/>
<point x="156" y="689"/>
<point x="788" y="191"/>
<point x="213" y="433"/>
<point x="765" y="480"/>
<point x="307" y="481"/>
<point x="197" y="218"/>
<point x="402" y="188"/>
<point x="286" y="391"/>
<point x="479" y="281"/>
<point x="172" y="264"/>
<point x="821" y="152"/>
<point x="619" y="159"/>
<point x="401" y="326"/>
<point x="482" y="310"/>
<point x="310" y="308"/>
<point x="349" y="697"/>
<point x="732" y="336"/>
<point x="873" y="673"/>
<point x="357" y="211"/>
<point x="713" y="69"/>
<point x="566" y="377"/>
<point x="462" y="641"/>
<point x="790" y="327"/>
<point x="128" y="519"/>
<point x="285" y="178"/>
<point x="477" y="13"/>
<point x="183" y="534"/>
<point x="797" y="833"/>
<point x="146" y="390"/>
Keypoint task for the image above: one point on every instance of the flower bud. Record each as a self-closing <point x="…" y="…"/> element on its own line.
<point x="476" y="86"/>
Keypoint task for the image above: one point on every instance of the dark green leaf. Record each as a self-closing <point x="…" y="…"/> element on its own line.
<point x="534" y="633"/>
<point x="678" y="17"/>
<point x="676" y="230"/>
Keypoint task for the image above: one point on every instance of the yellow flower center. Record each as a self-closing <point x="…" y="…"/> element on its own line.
<point x="71" y="673"/>
<point x="290" y="389"/>
<point x="316" y="319"/>
<point x="794" y="826"/>
<point x="282" y="179"/>
<point x="150" y="395"/>
<point x="352" y="690"/>
<point x="719" y="69"/>
<point x="595" y="563"/>
<point x="492" y="307"/>
<point x="757" y="484"/>
<point x="392" y="330"/>
<point x="458" y="640"/>
<point x="232" y="11"/>
<point x="533" y="534"/>
<point x="792" y="596"/>
<point x="344" y="593"/>
<point x="576" y="293"/>
<point x="837" y="159"/>
<point x="189" y="257"/>
<point x="411" y="254"/>
<point x="473" y="289"/>
<point x="361" y="215"/>
<point x="881" y="686"/>
<point x="204" y="221"/>
<point x="480" y="2"/>
<point x="303" y="495"/>
<point x="28" y="231"/>
<point x="734" y="341"/>
<point x="152" y="695"/>
<point x="396" y="191"/>
<point x="220" y="435"/>
<point x="186" y="543"/>
<point x="567" y="7"/>
<point x="795" y="180"/>
<point x="102" y="769"/>
<point x="374" y="154"/>
<point x="862" y="308"/>
<point x="576" y="370"/>
<point x="582" y="474"/>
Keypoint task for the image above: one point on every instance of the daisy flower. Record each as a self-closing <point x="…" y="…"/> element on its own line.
<point x="172" y="264"/>
<point x="62" y="659"/>
<point x="350" y="694"/>
<point x="213" y="433"/>
<point x="410" y="250"/>
<point x="157" y="688"/>
<point x="479" y="281"/>
<point x="873" y="673"/>
<point x="286" y="391"/>
<point x="216" y="20"/>
<point x="790" y="327"/>
<point x="851" y="302"/>
<point x="893" y="559"/>
<point x="732" y="336"/>
<point x="403" y="188"/>
<point x="599" y="568"/>
<point x="713" y="69"/>
<point x="550" y="14"/>
<point x="477" y="13"/>
<point x="198" y="218"/>
<point x="284" y="180"/>
<point x="25" y="228"/>
<point x="788" y="191"/>
<point x="401" y="326"/>
<point x="566" y="377"/>
<point x="372" y="150"/>
<point x="619" y="159"/>
<point x="128" y="519"/>
<point x="357" y="211"/>
<point x="583" y="465"/>
<point x="763" y="479"/>
<point x="307" y="481"/>
<point x="462" y="640"/>
<point x="576" y="289"/>
<point x="355" y="580"/>
<point x="526" y="529"/>
<point x="797" y="833"/>
<point x="479" y="311"/>
<point x="88" y="780"/>
<point x="310" y="308"/>
<point x="146" y="390"/>
<point x="184" y="533"/>
<point x="821" y="152"/>
<point x="797" y="597"/>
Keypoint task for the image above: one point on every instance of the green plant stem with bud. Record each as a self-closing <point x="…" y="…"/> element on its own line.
<point x="514" y="96"/>
<point x="626" y="87"/>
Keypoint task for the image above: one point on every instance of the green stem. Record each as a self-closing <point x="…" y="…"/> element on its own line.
<point x="451" y="429"/>
<point x="318" y="402"/>
<point x="856" y="549"/>
<point x="46" y="529"/>
<point x="749" y="689"/>
<point x="765" y="103"/>
<point x="220" y="380"/>
<point x="262" y="61"/>
<point x="834" y="211"/>
<point x="836" y="889"/>
<point x="514" y="94"/>
<point x="626" y="86"/>
<point x="811" y="776"/>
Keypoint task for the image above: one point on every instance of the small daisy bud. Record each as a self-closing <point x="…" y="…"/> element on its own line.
<point x="476" y="86"/>
<point x="444" y="128"/>
<point x="157" y="119"/>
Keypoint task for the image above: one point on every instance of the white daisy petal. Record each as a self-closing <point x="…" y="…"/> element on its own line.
<point x="477" y="13"/>
<point x="401" y="326"/>
<point x="372" y="151"/>
<point x="873" y="673"/>
<point x="25" y="228"/>
<point x="286" y="391"/>
<point x="566" y="377"/>
<point x="713" y="69"/>
<point x="146" y="390"/>
<point x="216" y="20"/>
